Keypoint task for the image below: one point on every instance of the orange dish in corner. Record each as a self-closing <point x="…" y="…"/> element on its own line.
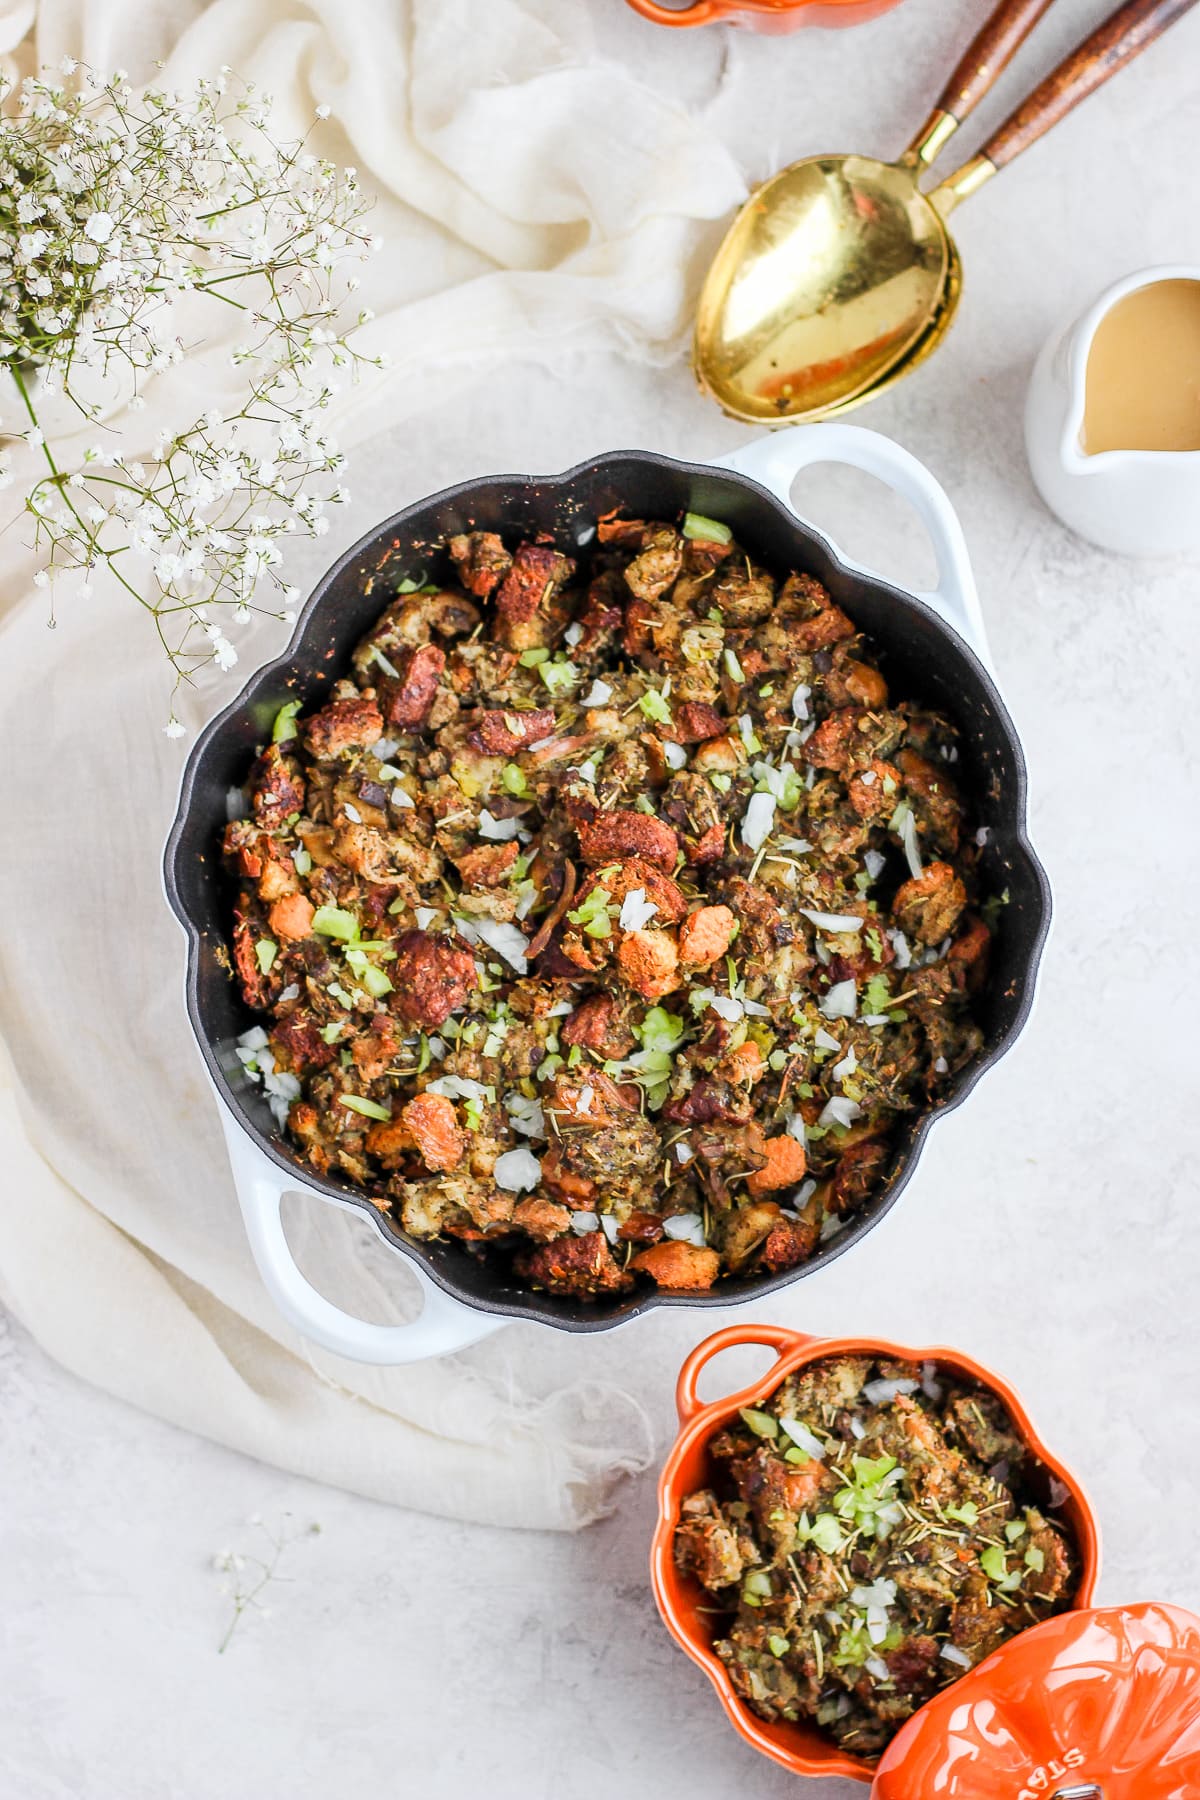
<point x="800" y="1744"/>
<point x="771" y="16"/>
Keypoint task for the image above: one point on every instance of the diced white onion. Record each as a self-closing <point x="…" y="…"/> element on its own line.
<point x="402" y="798"/>
<point x="758" y="820"/>
<point x="425" y="915"/>
<point x="901" y="947"/>
<point x="457" y="1087"/>
<point x="868" y="778"/>
<point x="584" y="1223"/>
<point x="876" y="1666"/>
<point x="941" y="1066"/>
<point x="525" y="1115"/>
<point x="931" y="1387"/>
<point x="352" y="813"/>
<point x="727" y="1007"/>
<point x="908" y="837"/>
<point x="879" y="1393"/>
<point x="385" y="748"/>
<point x="517" y="1169"/>
<point x="847" y="1065"/>
<point x="799" y="845"/>
<point x="825" y="1040"/>
<point x="840" y="1111"/>
<point x="982" y="836"/>
<point x="506" y="941"/>
<point x="880" y="1593"/>
<point x="254" y="1039"/>
<point x="800" y="700"/>
<point x="683" y="1153"/>
<point x="857" y="1428"/>
<point x="235" y="804"/>
<point x="841" y="1002"/>
<point x="804" y="1193"/>
<point x="952" y="1654"/>
<point x="636" y="910"/>
<point x="686" y="1228"/>
<point x="599" y="694"/>
<point x="610" y="1227"/>
<point x="835" y="922"/>
<point x="875" y="862"/>
<point x="573" y="633"/>
<point x="803" y="1438"/>
<point x="676" y="756"/>
<point x="291" y="991"/>
<point x="498" y="830"/>
<point x="560" y="1009"/>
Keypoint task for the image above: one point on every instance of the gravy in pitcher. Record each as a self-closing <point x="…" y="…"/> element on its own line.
<point x="1143" y="372"/>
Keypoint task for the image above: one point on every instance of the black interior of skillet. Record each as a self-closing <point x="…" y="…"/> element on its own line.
<point x="922" y="658"/>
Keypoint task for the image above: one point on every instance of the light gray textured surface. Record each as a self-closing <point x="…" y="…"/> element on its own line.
<point x="1051" y="1231"/>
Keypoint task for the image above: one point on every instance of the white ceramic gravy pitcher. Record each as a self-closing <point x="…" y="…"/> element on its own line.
<point x="1137" y="502"/>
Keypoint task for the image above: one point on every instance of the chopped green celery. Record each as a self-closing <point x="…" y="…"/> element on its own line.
<point x="655" y="706"/>
<point x="370" y="1109"/>
<point x="332" y="1032"/>
<point x="778" y="1646"/>
<point x="706" y="530"/>
<point x="1035" y="1559"/>
<point x="1014" y="1529"/>
<point x="720" y="781"/>
<point x="265" y="953"/>
<point x="992" y="1562"/>
<point x="512" y="780"/>
<point x="827" y="1534"/>
<point x="529" y="659"/>
<point x="301" y="861"/>
<point x="876" y="996"/>
<point x="758" y="1583"/>
<point x="335" y="922"/>
<point x="659" y="1030"/>
<point x="797" y="1455"/>
<point x="558" y="676"/>
<point x="284" y="728"/>
<point x="762" y="1424"/>
<point x="966" y="1514"/>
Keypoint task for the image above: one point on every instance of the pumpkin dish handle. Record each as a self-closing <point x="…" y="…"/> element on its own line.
<point x="771" y="1337"/>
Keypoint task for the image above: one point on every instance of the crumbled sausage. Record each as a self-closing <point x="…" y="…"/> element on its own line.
<point x="276" y="788"/>
<point x="408" y="699"/>
<point x="929" y="906"/>
<point x="486" y="865"/>
<point x="481" y="560"/>
<point x="501" y="733"/>
<point x="614" y="836"/>
<point x="430" y="979"/>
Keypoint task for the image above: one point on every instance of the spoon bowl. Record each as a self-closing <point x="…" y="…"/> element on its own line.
<point x="827" y="279"/>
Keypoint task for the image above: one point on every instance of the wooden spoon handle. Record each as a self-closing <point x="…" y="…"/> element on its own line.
<point x="1130" y="31"/>
<point x="989" y="54"/>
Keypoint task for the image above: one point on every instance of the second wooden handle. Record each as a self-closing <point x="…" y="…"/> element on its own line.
<point x="989" y="54"/>
<point x="1132" y="29"/>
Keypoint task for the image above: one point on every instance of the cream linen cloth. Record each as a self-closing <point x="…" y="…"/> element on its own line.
<point x="533" y="198"/>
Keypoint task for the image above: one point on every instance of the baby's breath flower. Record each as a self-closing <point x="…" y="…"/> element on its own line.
<point x="111" y="206"/>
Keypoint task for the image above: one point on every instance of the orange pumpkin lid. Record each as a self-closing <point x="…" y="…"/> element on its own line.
<point x="1100" y="1704"/>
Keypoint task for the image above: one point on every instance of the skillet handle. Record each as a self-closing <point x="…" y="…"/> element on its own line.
<point x="776" y="459"/>
<point x="443" y="1326"/>
<point x="772" y="1337"/>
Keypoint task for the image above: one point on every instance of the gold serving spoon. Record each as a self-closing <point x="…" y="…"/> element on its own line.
<point x="839" y="274"/>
